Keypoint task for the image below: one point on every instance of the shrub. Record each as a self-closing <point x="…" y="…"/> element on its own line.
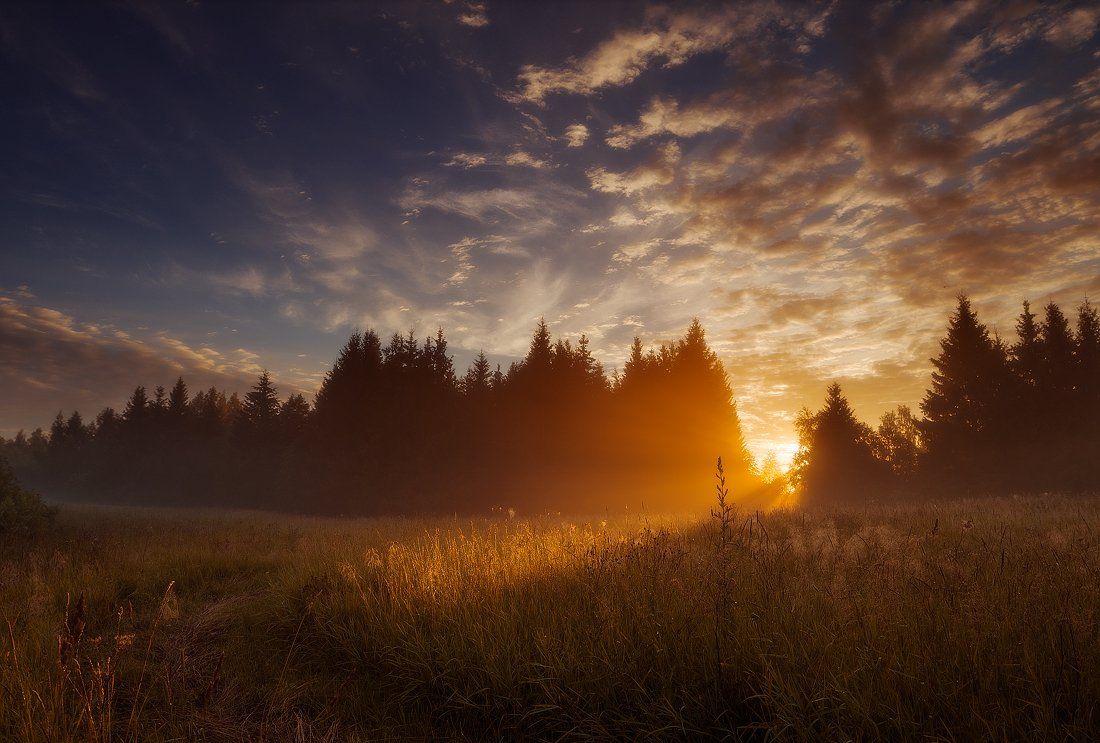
<point x="22" y="513"/>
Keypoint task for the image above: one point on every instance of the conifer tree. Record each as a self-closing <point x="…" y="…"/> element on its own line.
<point x="294" y="415"/>
<point x="58" y="433"/>
<point x="540" y="353"/>
<point x="636" y="365"/>
<point x="137" y="407"/>
<point x="591" y="369"/>
<point x="1027" y="352"/>
<point x="836" y="460"/>
<point x="1087" y="360"/>
<point x="965" y="405"/>
<point x="178" y="399"/>
<point x="440" y="362"/>
<point x="261" y="404"/>
<point x="75" y="430"/>
<point x="1057" y="372"/>
<point x="479" y="377"/>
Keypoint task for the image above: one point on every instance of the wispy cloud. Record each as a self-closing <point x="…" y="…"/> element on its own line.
<point x="474" y="15"/>
<point x="576" y="135"/>
<point x="667" y="37"/>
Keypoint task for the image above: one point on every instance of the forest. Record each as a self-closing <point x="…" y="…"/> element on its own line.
<point x="394" y="429"/>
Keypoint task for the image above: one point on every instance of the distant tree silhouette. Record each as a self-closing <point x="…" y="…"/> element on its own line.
<point x="836" y="460"/>
<point x="178" y="399"/>
<point x="965" y="405"/>
<point x="1084" y="451"/>
<point x="478" y="381"/>
<point x="898" y="443"/>
<point x="1087" y="353"/>
<point x="159" y="404"/>
<point x="137" y="407"/>
<point x="294" y="416"/>
<point x="261" y="404"/>
<point x="1027" y="353"/>
<point x="1087" y="366"/>
<point x="1057" y="372"/>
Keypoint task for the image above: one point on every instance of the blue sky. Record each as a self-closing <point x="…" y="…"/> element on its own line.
<point x="206" y="189"/>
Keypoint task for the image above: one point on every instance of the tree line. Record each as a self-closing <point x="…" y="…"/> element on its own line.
<point x="394" y="429"/>
<point x="998" y="417"/>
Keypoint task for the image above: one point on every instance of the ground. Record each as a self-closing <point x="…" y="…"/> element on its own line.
<point x="950" y="620"/>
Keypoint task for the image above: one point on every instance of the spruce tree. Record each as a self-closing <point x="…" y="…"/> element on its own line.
<point x="479" y="377"/>
<point x="440" y="362"/>
<point x="964" y="408"/>
<point x="836" y="460"/>
<point x="590" y="369"/>
<point x="1027" y="352"/>
<point x="261" y="404"/>
<point x="1057" y="372"/>
<point x="1087" y="360"/>
<point x="293" y="416"/>
<point x="540" y="354"/>
<point x="1087" y="398"/>
<point x="178" y="399"/>
<point x="137" y="407"/>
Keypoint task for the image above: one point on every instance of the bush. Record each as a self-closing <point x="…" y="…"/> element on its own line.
<point x="22" y="513"/>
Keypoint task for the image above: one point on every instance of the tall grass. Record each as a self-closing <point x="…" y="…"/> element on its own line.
<point x="960" y="620"/>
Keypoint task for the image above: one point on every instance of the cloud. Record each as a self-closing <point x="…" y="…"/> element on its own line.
<point x="744" y="108"/>
<point x="527" y="200"/>
<point x="465" y="160"/>
<point x="635" y="251"/>
<point x="516" y="158"/>
<point x="667" y="36"/>
<point x="1074" y="27"/>
<point x="309" y="244"/>
<point x="576" y="135"/>
<point x="658" y="172"/>
<point x="474" y="15"/>
<point x="525" y="159"/>
<point x="478" y="204"/>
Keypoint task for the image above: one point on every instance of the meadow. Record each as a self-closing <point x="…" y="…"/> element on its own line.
<point x="954" y="620"/>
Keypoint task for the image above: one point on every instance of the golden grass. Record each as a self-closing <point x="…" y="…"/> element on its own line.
<point x="960" y="620"/>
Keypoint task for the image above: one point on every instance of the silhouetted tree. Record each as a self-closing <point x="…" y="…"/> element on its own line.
<point x="1027" y="352"/>
<point x="261" y="404"/>
<point x="177" y="400"/>
<point x="1057" y="372"/>
<point x="478" y="381"/>
<point x="137" y="407"/>
<point x="964" y="408"/>
<point x="294" y="416"/>
<point x="836" y="460"/>
<point x="898" y="442"/>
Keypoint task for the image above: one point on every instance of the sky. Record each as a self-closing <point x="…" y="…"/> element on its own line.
<point x="208" y="189"/>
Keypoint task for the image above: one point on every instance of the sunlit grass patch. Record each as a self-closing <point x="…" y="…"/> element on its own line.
<point x="961" y="619"/>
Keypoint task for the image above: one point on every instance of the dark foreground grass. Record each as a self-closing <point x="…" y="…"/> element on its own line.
<point x="965" y="620"/>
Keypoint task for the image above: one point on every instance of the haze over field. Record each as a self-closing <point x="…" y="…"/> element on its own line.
<point x="208" y="189"/>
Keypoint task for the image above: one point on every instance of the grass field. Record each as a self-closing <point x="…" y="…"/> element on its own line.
<point x="961" y="620"/>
